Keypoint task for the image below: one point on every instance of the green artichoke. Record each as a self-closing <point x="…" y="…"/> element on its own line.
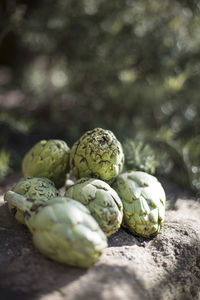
<point x="48" y="159"/>
<point x="143" y="201"/>
<point x="97" y="154"/>
<point x="39" y="190"/>
<point x="102" y="201"/>
<point x="63" y="230"/>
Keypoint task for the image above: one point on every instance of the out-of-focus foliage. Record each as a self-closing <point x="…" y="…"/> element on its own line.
<point x="129" y="66"/>
<point x="139" y="156"/>
<point x="4" y="164"/>
<point x="162" y="155"/>
<point x="191" y="155"/>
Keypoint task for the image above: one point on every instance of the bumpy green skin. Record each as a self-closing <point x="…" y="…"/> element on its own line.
<point x="143" y="201"/>
<point x="97" y="154"/>
<point x="102" y="201"/>
<point x="48" y="159"/>
<point x="65" y="231"/>
<point x="39" y="190"/>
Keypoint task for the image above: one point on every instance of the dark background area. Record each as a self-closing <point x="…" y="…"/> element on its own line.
<point x="129" y="66"/>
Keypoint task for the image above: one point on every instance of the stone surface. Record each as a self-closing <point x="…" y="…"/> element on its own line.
<point x="164" y="267"/>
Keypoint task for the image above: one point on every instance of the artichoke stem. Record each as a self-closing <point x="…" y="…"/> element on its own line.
<point x="18" y="201"/>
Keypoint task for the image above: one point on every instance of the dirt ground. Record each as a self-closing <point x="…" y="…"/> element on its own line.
<point x="164" y="267"/>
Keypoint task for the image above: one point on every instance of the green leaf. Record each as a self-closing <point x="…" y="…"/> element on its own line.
<point x="139" y="156"/>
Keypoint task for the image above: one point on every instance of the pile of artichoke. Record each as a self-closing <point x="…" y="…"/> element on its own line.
<point x="73" y="228"/>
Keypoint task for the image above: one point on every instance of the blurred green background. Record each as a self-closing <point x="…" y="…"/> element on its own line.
<point x="129" y="66"/>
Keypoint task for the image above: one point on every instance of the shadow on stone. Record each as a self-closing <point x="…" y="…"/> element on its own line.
<point x="7" y="294"/>
<point x="123" y="237"/>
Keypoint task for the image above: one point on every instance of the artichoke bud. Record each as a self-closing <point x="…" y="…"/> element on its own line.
<point x="97" y="154"/>
<point x="37" y="190"/>
<point x="48" y="159"/>
<point x="102" y="201"/>
<point x="143" y="199"/>
<point x="63" y="229"/>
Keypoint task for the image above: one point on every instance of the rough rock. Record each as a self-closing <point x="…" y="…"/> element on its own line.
<point x="166" y="266"/>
